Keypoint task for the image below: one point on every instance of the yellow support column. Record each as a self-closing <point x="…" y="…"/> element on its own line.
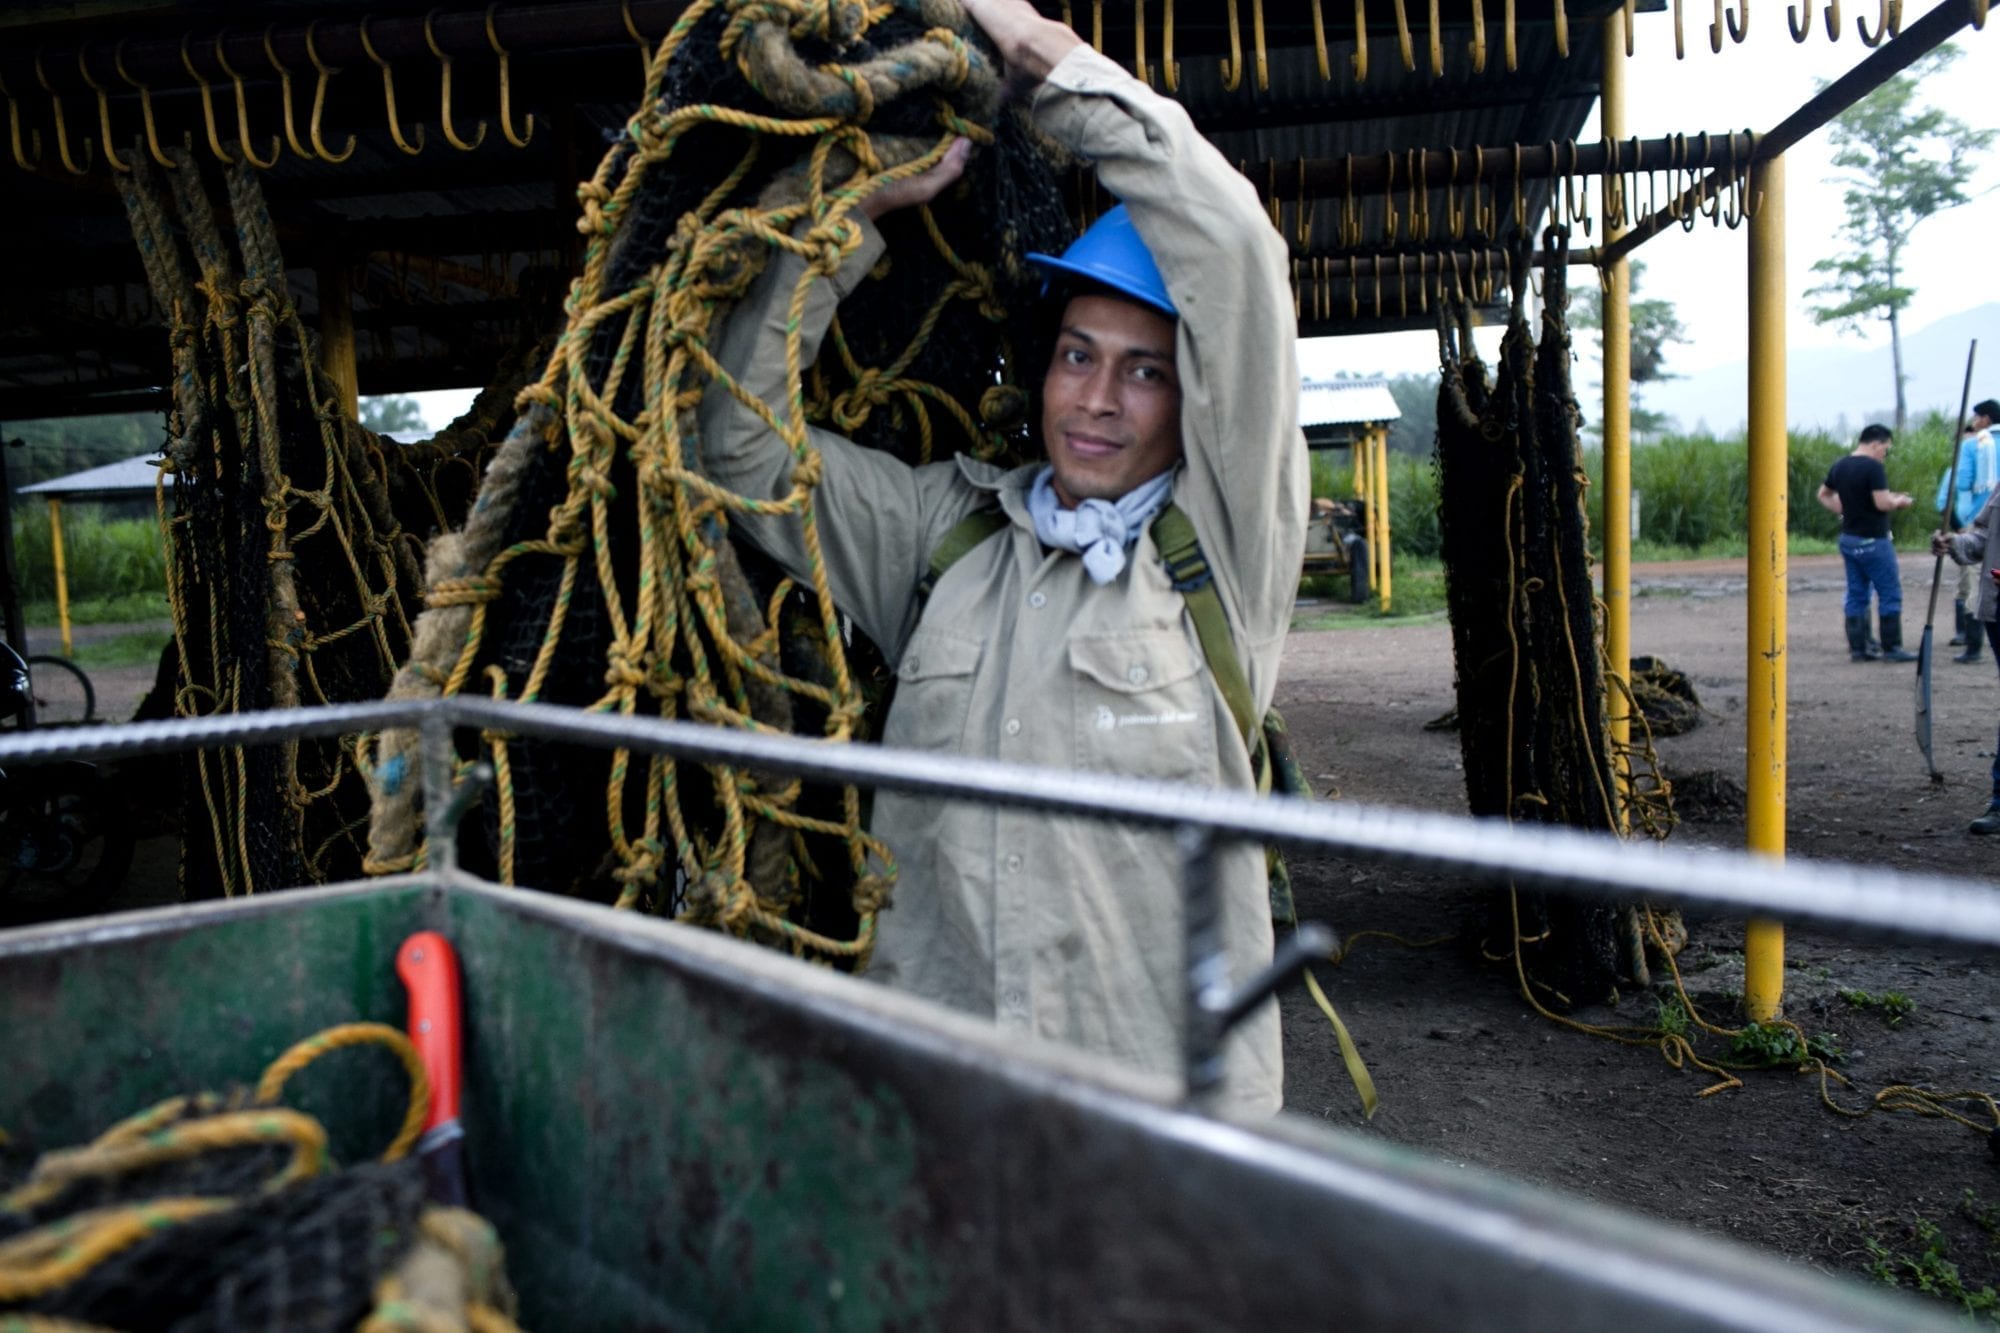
<point x="62" y="573"/>
<point x="336" y="334"/>
<point x="1617" y="484"/>
<point x="1764" y="943"/>
<point x="1379" y="437"/>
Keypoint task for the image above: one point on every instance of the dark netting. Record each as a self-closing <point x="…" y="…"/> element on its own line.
<point x="1518" y="582"/>
<point x="593" y="517"/>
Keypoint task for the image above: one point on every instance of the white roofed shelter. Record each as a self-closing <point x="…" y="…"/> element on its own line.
<point x="1342" y="414"/>
<point x="127" y="479"/>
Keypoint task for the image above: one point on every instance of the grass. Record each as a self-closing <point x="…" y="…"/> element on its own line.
<point x="117" y="610"/>
<point x="1416" y="594"/>
<point x="1893" y="1005"/>
<point x="103" y="560"/>
<point x="137" y="648"/>
<point x="1922" y="1262"/>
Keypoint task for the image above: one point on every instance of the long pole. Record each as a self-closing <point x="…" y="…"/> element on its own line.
<point x="1764" y="758"/>
<point x="1617" y="425"/>
<point x="1926" y="647"/>
<point x="62" y="573"/>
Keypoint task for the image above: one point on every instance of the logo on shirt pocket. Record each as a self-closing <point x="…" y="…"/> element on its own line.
<point x="1143" y="705"/>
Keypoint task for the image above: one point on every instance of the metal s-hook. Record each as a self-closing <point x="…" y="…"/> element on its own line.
<point x="1454" y="216"/>
<point x="1435" y="38"/>
<point x="103" y="114"/>
<point x="1561" y="16"/>
<point x="325" y="75"/>
<point x="1800" y="23"/>
<point x="1360" y="57"/>
<point x="222" y="154"/>
<point x="1306" y="212"/>
<point x="1170" y="68"/>
<point x="1833" y="20"/>
<point x="145" y="108"/>
<point x="62" y="125"/>
<point x="1408" y="48"/>
<point x="507" y="89"/>
<point x="14" y="132"/>
<point x="1140" y="67"/>
<point x="243" y="115"/>
<point x="1257" y="45"/>
<point x="1680" y="34"/>
<point x="1391" y="221"/>
<point x="285" y="97"/>
<point x="1232" y="64"/>
<point x="1477" y="45"/>
<point x="1888" y="22"/>
<point x="389" y="95"/>
<point x="631" y="29"/>
<point x="1507" y="34"/>
<point x="1319" y="43"/>
<point x="1738" y="32"/>
<point x="1734" y="212"/>
<point x="444" y="98"/>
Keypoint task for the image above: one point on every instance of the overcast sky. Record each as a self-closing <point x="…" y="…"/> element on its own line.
<point x="1754" y="86"/>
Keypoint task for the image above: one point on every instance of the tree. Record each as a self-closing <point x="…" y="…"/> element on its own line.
<point x="1654" y="327"/>
<point x="397" y="413"/>
<point x="1902" y="162"/>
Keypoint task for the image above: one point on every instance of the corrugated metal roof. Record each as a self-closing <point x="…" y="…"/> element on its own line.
<point x="1346" y="402"/>
<point x="135" y="476"/>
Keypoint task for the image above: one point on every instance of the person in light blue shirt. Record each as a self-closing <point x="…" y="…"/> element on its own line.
<point x="1978" y="472"/>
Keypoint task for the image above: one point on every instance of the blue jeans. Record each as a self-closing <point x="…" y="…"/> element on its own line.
<point x="1871" y="560"/>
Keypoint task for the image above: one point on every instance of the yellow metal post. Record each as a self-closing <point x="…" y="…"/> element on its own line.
<point x="1379" y="438"/>
<point x="1617" y="484"/>
<point x="1764" y="944"/>
<point x="336" y="334"/>
<point x="62" y="574"/>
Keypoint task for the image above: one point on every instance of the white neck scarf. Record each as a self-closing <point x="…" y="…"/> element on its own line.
<point x="1100" y="530"/>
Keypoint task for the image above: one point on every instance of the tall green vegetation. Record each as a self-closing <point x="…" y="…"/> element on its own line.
<point x="1694" y="489"/>
<point x="1901" y="163"/>
<point x="104" y="559"/>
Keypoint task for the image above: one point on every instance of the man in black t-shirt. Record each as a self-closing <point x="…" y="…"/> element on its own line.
<point x="1857" y="489"/>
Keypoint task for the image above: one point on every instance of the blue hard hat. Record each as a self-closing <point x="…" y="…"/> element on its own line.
<point x="1113" y="254"/>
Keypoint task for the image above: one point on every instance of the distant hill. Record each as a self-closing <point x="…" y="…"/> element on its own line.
<point x="1840" y="389"/>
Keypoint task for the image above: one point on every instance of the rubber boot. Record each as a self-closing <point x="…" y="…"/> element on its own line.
<point x="1986" y="824"/>
<point x="1857" y="639"/>
<point x="1958" y="637"/>
<point x="1975" y="630"/>
<point x="1892" y="640"/>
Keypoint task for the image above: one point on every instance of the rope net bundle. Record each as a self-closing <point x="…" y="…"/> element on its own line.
<point x="291" y="532"/>
<point x="224" y="1211"/>
<point x="598" y="569"/>
<point x="1530" y="680"/>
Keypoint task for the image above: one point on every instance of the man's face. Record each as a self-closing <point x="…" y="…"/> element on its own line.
<point x="1111" y="402"/>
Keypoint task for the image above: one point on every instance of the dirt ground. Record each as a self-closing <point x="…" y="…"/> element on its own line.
<point x="1469" y="1072"/>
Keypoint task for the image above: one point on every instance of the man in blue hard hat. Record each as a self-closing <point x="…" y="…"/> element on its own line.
<point x="1058" y="635"/>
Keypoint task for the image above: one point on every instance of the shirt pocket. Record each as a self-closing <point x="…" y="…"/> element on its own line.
<point x="1143" y="706"/>
<point x="934" y="686"/>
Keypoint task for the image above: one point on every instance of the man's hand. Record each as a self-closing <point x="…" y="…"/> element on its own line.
<point x="1030" y="44"/>
<point x="1940" y="544"/>
<point x="919" y="189"/>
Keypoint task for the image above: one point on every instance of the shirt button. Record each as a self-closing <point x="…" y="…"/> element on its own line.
<point x="1038" y="600"/>
<point x="1013" y="864"/>
<point x="1014" y="999"/>
<point x="1013" y="727"/>
<point x="1137" y="675"/>
<point x="910" y="666"/>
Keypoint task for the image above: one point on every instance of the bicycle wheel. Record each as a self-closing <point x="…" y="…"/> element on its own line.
<point x="65" y="843"/>
<point x="63" y="693"/>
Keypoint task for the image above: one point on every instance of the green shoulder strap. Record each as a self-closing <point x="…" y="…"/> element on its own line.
<point x="1188" y="567"/>
<point x="965" y="534"/>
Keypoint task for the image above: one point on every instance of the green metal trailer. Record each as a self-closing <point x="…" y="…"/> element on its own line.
<point x="672" y="1129"/>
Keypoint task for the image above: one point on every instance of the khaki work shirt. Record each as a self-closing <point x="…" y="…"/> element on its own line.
<point x="1067" y="929"/>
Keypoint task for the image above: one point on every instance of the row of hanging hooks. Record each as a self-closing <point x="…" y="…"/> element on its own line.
<point x="1731" y="21"/>
<point x="25" y="143"/>
<point x="1687" y="177"/>
<point x="1398" y="285"/>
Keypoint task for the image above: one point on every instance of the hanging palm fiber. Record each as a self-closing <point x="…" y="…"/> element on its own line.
<point x="225" y="1211"/>
<point x="598" y="570"/>
<point x="1524" y="634"/>
<point x="292" y="576"/>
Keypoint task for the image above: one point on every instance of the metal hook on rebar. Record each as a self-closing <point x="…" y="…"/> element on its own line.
<point x="1561" y="16"/>
<point x="1391" y="222"/>
<point x="1832" y="20"/>
<point x="1889" y="21"/>
<point x="1170" y="68"/>
<point x="243" y="115"/>
<point x="1259" y="47"/>
<point x="1434" y="36"/>
<point x="1799" y="21"/>
<point x="285" y="97"/>
<point x="1520" y="197"/>
<point x="62" y="125"/>
<point x="1232" y="64"/>
<point x="145" y="108"/>
<point x="1737" y="32"/>
<point x="1507" y="35"/>
<point x="1306" y="212"/>
<point x="1978" y="14"/>
<point x="1420" y="194"/>
<point x="1454" y="216"/>
<point x="1320" y="53"/>
<point x="1733" y="211"/>
<point x="444" y="95"/>
<point x="1142" y="69"/>
<point x="325" y="75"/>
<point x="389" y="96"/>
<point x="103" y="114"/>
<point x="222" y="154"/>
<point x="507" y="92"/>
<point x="1477" y="45"/>
<point x="1359" y="60"/>
<point x="1613" y="185"/>
<point x="14" y="133"/>
<point x="1403" y="41"/>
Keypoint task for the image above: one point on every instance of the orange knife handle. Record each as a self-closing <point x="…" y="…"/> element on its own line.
<point x="429" y="968"/>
